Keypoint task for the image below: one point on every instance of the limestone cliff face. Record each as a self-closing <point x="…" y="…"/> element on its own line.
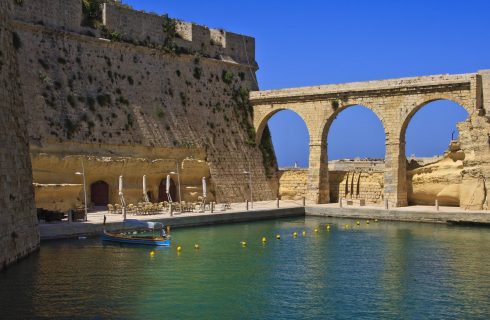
<point x="51" y="166"/>
<point x="183" y="86"/>
<point x="474" y="139"/>
<point x="18" y="222"/>
<point x="440" y="180"/>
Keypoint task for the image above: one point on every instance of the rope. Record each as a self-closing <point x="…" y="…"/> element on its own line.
<point x="292" y="201"/>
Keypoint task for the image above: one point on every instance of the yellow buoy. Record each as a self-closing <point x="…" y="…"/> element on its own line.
<point x="367" y="221"/>
<point x="303" y="233"/>
<point x="278" y="236"/>
<point x="316" y="230"/>
<point x="196" y="246"/>
<point x="264" y="239"/>
<point x="358" y="223"/>
<point x="152" y="253"/>
<point x="243" y="243"/>
<point x="375" y="220"/>
<point x="179" y="248"/>
<point x="328" y="227"/>
<point x="295" y="234"/>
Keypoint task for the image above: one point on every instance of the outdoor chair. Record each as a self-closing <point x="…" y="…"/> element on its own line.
<point x="132" y="209"/>
<point x="110" y="209"/>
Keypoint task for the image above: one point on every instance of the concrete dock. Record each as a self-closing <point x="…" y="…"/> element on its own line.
<point x="266" y="210"/>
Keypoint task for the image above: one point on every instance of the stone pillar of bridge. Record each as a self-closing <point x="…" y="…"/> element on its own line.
<point x="317" y="188"/>
<point x="395" y="176"/>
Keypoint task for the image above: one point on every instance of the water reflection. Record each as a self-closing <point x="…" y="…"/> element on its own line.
<point x="381" y="270"/>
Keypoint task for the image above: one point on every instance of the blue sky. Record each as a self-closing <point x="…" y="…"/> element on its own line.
<point x="301" y="43"/>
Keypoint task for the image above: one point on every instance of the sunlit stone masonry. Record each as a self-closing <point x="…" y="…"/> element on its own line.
<point x="18" y="223"/>
<point x="394" y="101"/>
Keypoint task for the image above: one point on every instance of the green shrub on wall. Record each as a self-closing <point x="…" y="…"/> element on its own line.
<point x="92" y="13"/>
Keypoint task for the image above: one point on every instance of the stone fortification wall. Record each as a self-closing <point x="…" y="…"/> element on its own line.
<point x="367" y="186"/>
<point x="18" y="223"/>
<point x="343" y="184"/>
<point x="140" y="27"/>
<point x="292" y="183"/>
<point x="85" y="90"/>
<point x="63" y="14"/>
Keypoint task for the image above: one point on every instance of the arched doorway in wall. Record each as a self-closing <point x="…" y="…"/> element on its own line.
<point x="284" y="143"/>
<point x="434" y="158"/>
<point x="356" y="152"/>
<point x="162" y="191"/>
<point x="99" y="193"/>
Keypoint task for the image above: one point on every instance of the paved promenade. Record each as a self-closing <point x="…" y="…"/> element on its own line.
<point x="411" y="213"/>
<point x="265" y="210"/>
<point x="238" y="213"/>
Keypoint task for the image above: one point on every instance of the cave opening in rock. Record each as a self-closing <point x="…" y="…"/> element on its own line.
<point x="162" y="191"/>
<point x="99" y="193"/>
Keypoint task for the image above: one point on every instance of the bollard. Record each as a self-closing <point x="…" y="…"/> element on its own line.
<point x="212" y="207"/>
<point x="70" y="216"/>
<point x="124" y="213"/>
<point x="171" y="209"/>
<point x="304" y="202"/>
<point x="386" y="204"/>
<point x="277" y="200"/>
<point x="247" y="205"/>
<point x="340" y="202"/>
<point x="437" y="205"/>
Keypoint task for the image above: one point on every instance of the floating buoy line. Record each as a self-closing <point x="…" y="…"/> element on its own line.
<point x="278" y="236"/>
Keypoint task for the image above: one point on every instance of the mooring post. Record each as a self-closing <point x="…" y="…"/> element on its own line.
<point x="212" y="207"/>
<point x="437" y="205"/>
<point x="304" y="201"/>
<point x="247" y="205"/>
<point x="70" y="216"/>
<point x="171" y="209"/>
<point x="386" y="204"/>
<point x="277" y="200"/>
<point x="340" y="202"/>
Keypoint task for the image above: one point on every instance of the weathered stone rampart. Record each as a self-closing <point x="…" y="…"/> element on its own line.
<point x="59" y="14"/>
<point x="18" y="223"/>
<point x="141" y="27"/>
<point x="367" y="186"/>
<point x="113" y="86"/>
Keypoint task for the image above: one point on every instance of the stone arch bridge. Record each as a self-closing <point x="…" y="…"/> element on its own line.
<point x="394" y="101"/>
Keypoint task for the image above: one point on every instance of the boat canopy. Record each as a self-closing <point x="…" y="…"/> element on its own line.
<point x="134" y="223"/>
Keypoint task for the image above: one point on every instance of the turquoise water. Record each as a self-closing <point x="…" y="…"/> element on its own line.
<point x="384" y="270"/>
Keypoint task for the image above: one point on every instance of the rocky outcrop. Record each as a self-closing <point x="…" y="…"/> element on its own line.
<point x="440" y="180"/>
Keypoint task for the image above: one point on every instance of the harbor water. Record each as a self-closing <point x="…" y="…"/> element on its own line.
<point x="380" y="270"/>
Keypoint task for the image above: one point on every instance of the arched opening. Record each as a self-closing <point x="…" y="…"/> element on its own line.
<point x="162" y="191"/>
<point x="431" y="127"/>
<point x="290" y="139"/>
<point x="285" y="149"/>
<point x="99" y="193"/>
<point x="434" y="157"/>
<point x="356" y="152"/>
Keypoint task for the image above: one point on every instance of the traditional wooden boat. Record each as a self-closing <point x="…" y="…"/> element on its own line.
<point x="140" y="232"/>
